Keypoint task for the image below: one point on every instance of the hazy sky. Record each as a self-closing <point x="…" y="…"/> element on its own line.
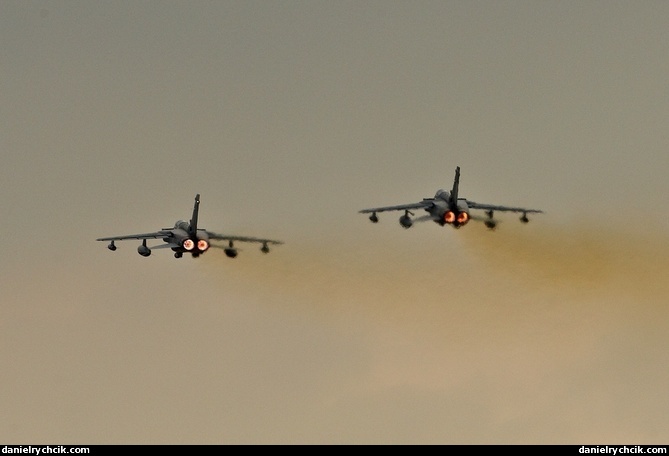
<point x="288" y="117"/>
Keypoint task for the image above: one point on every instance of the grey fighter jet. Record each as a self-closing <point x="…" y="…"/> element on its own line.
<point x="186" y="237"/>
<point x="446" y="208"/>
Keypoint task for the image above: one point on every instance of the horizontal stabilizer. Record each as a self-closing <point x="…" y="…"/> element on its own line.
<point x="165" y="246"/>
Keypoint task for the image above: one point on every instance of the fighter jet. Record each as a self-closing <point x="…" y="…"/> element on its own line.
<point x="446" y="208"/>
<point x="186" y="237"/>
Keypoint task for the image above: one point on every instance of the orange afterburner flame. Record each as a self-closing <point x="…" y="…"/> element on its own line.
<point x="463" y="218"/>
<point x="202" y="245"/>
<point x="449" y="217"/>
<point x="188" y="244"/>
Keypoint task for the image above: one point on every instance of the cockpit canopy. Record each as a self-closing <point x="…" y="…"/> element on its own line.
<point x="182" y="224"/>
<point x="442" y="194"/>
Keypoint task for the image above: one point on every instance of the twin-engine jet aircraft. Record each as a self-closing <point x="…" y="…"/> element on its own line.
<point x="448" y="209"/>
<point x="186" y="237"/>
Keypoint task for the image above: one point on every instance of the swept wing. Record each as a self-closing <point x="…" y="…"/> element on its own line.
<point x="425" y="204"/>
<point x="156" y="235"/>
<point x="224" y="237"/>
<point x="492" y="207"/>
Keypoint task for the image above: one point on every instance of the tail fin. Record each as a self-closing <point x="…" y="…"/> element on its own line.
<point x="456" y="183"/>
<point x="193" y="220"/>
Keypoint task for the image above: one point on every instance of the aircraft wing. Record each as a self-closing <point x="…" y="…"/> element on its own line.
<point x="492" y="207"/>
<point x="156" y="235"/>
<point x="402" y="207"/>
<point x="224" y="237"/>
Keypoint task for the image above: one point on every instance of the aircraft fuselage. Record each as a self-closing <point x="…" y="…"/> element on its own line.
<point x="444" y="211"/>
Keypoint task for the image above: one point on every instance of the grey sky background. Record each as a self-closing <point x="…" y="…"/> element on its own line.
<point x="288" y="117"/>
